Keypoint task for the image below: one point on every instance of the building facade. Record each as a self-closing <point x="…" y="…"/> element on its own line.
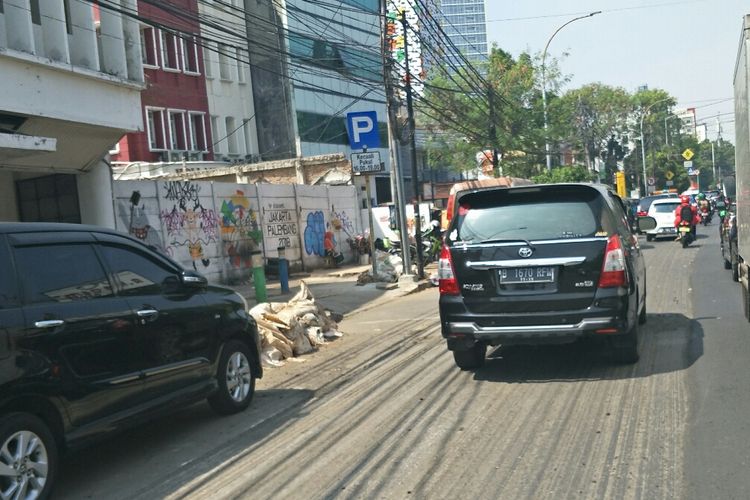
<point x="465" y="23"/>
<point x="175" y="121"/>
<point x="72" y="77"/>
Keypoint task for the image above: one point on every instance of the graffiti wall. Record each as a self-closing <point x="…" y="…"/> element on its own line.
<point x="214" y="228"/>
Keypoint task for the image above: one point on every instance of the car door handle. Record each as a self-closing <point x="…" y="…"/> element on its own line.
<point x="147" y="313"/>
<point x="50" y="323"/>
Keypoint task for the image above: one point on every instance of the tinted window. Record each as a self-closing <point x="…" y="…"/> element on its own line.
<point x="534" y="215"/>
<point x="8" y="294"/>
<point x="137" y="272"/>
<point x="61" y="273"/>
<point x="665" y="208"/>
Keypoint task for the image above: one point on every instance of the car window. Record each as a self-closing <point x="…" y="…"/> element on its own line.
<point x="137" y="272"/>
<point x="61" y="273"/>
<point x="665" y="208"/>
<point x="534" y="216"/>
<point x="8" y="289"/>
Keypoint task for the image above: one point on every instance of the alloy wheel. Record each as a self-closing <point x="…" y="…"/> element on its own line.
<point x="239" y="377"/>
<point x="23" y="466"/>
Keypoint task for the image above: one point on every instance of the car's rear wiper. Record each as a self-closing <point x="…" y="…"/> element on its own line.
<point x="508" y="240"/>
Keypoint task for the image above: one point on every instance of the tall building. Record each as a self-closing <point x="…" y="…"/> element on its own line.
<point x="465" y="24"/>
<point x="72" y="77"/>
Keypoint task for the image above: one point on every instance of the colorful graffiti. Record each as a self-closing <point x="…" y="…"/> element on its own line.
<point x="240" y="231"/>
<point x="315" y="233"/>
<point x="136" y="220"/>
<point x="188" y="223"/>
<point x="341" y="222"/>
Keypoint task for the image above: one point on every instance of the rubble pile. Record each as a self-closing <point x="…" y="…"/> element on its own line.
<point x="290" y="329"/>
<point x="389" y="269"/>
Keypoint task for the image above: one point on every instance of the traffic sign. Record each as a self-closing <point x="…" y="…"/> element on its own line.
<point x="688" y="164"/>
<point x="362" y="127"/>
<point x="693" y="171"/>
<point x="669" y="174"/>
<point x="366" y="163"/>
<point x="688" y="154"/>
<point x="651" y="181"/>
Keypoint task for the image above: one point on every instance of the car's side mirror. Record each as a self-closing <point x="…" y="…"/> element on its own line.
<point x="191" y="279"/>
<point x="646" y="223"/>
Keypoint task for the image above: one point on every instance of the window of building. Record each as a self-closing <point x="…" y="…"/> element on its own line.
<point x="224" y="67"/>
<point x="197" y="131"/>
<point x="216" y="135"/>
<point x="2" y="8"/>
<point x="148" y="47"/>
<point x="241" y="58"/>
<point x="177" y="137"/>
<point x="51" y="198"/>
<point x="155" y="129"/>
<point x="68" y="19"/>
<point x="169" y="51"/>
<point x="208" y="58"/>
<point x="189" y="56"/>
<point x="231" y="135"/>
<point x="345" y="60"/>
<point x="36" y="14"/>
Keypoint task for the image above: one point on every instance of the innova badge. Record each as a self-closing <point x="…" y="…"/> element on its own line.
<point x="525" y="252"/>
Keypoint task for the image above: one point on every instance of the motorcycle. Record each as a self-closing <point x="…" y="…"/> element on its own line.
<point x="706" y="216"/>
<point x="685" y="234"/>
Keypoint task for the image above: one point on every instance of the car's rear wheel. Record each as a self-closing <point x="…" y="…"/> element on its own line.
<point x="235" y="378"/>
<point x="727" y="264"/>
<point x="625" y="347"/>
<point x="649" y="237"/>
<point x="472" y="358"/>
<point x="643" y="314"/>
<point x="28" y="457"/>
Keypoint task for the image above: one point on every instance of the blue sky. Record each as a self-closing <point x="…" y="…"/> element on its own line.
<point x="687" y="48"/>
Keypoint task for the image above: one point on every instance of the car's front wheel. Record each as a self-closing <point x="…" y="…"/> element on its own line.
<point x="235" y="378"/>
<point x="28" y="457"/>
<point x="649" y="237"/>
<point x="472" y="358"/>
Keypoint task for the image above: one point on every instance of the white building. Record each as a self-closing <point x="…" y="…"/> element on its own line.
<point x="71" y="79"/>
<point x="228" y="82"/>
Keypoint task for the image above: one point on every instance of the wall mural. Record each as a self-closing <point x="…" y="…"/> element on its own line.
<point x="188" y="223"/>
<point x="135" y="219"/>
<point x="240" y="231"/>
<point x="315" y="233"/>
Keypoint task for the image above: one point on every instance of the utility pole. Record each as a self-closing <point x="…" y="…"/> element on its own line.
<point x="493" y="129"/>
<point x="413" y="154"/>
<point x="397" y="180"/>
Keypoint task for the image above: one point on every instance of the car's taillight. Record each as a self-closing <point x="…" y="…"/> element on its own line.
<point x="641" y="213"/>
<point x="613" y="269"/>
<point x="446" y="277"/>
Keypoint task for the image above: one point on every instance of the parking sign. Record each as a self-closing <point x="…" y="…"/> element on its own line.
<point x="362" y="127"/>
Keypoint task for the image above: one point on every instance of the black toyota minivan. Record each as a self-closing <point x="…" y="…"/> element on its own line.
<point x="97" y="333"/>
<point x="541" y="264"/>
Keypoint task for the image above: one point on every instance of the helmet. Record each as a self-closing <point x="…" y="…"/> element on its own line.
<point x="701" y="196"/>
<point x="684" y="199"/>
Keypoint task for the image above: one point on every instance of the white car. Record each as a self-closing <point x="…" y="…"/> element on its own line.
<point x="663" y="211"/>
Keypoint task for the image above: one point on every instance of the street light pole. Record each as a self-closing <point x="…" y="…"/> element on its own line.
<point x="544" y="84"/>
<point x="643" y="142"/>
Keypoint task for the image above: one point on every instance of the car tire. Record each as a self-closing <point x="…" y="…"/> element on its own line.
<point x="37" y="468"/>
<point x="643" y="315"/>
<point x="735" y="266"/>
<point x="472" y="358"/>
<point x="625" y="347"/>
<point x="649" y="237"/>
<point x="235" y="378"/>
<point x="727" y="264"/>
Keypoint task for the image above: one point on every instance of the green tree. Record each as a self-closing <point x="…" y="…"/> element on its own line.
<point x="564" y="174"/>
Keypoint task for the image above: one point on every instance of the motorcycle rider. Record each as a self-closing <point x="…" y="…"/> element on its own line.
<point x="689" y="213"/>
<point x="704" y="206"/>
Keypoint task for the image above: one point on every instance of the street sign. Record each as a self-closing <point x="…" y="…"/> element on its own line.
<point x="693" y="171"/>
<point x="362" y="127"/>
<point x="688" y="154"/>
<point x="651" y="181"/>
<point x="670" y="183"/>
<point x="688" y="164"/>
<point x="366" y="163"/>
<point x="669" y="174"/>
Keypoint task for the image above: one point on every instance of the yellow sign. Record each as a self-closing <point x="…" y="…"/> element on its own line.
<point x="620" y="178"/>
<point x="688" y="154"/>
<point x="669" y="174"/>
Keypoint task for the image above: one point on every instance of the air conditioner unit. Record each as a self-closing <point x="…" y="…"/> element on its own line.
<point x="164" y="156"/>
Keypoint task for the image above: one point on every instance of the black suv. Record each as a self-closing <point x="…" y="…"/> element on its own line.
<point x="541" y="264"/>
<point x="97" y="333"/>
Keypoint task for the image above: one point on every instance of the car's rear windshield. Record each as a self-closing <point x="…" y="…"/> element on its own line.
<point x="665" y="208"/>
<point x="646" y="202"/>
<point x="530" y="214"/>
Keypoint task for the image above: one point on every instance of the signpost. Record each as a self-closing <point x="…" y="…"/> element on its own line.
<point x="362" y="128"/>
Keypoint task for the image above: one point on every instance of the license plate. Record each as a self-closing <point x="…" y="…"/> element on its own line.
<point x="684" y="229"/>
<point x="670" y="230"/>
<point x="516" y="275"/>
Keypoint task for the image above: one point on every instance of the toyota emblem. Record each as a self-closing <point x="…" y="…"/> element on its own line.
<point x="525" y="252"/>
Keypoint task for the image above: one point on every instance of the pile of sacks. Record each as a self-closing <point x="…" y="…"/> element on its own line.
<point x="290" y="329"/>
<point x="389" y="269"/>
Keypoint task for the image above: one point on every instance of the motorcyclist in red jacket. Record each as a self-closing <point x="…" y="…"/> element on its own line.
<point x="682" y="209"/>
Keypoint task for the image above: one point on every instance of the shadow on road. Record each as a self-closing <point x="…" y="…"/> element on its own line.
<point x="668" y="343"/>
<point x="161" y="456"/>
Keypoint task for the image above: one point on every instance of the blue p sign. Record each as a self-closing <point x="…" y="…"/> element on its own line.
<point x="362" y="127"/>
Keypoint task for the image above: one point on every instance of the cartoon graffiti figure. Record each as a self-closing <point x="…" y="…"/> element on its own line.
<point x="138" y="224"/>
<point x="315" y="234"/>
<point x="240" y="231"/>
<point x="192" y="226"/>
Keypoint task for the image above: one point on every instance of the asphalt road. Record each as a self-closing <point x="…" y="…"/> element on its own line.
<point x="383" y="413"/>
